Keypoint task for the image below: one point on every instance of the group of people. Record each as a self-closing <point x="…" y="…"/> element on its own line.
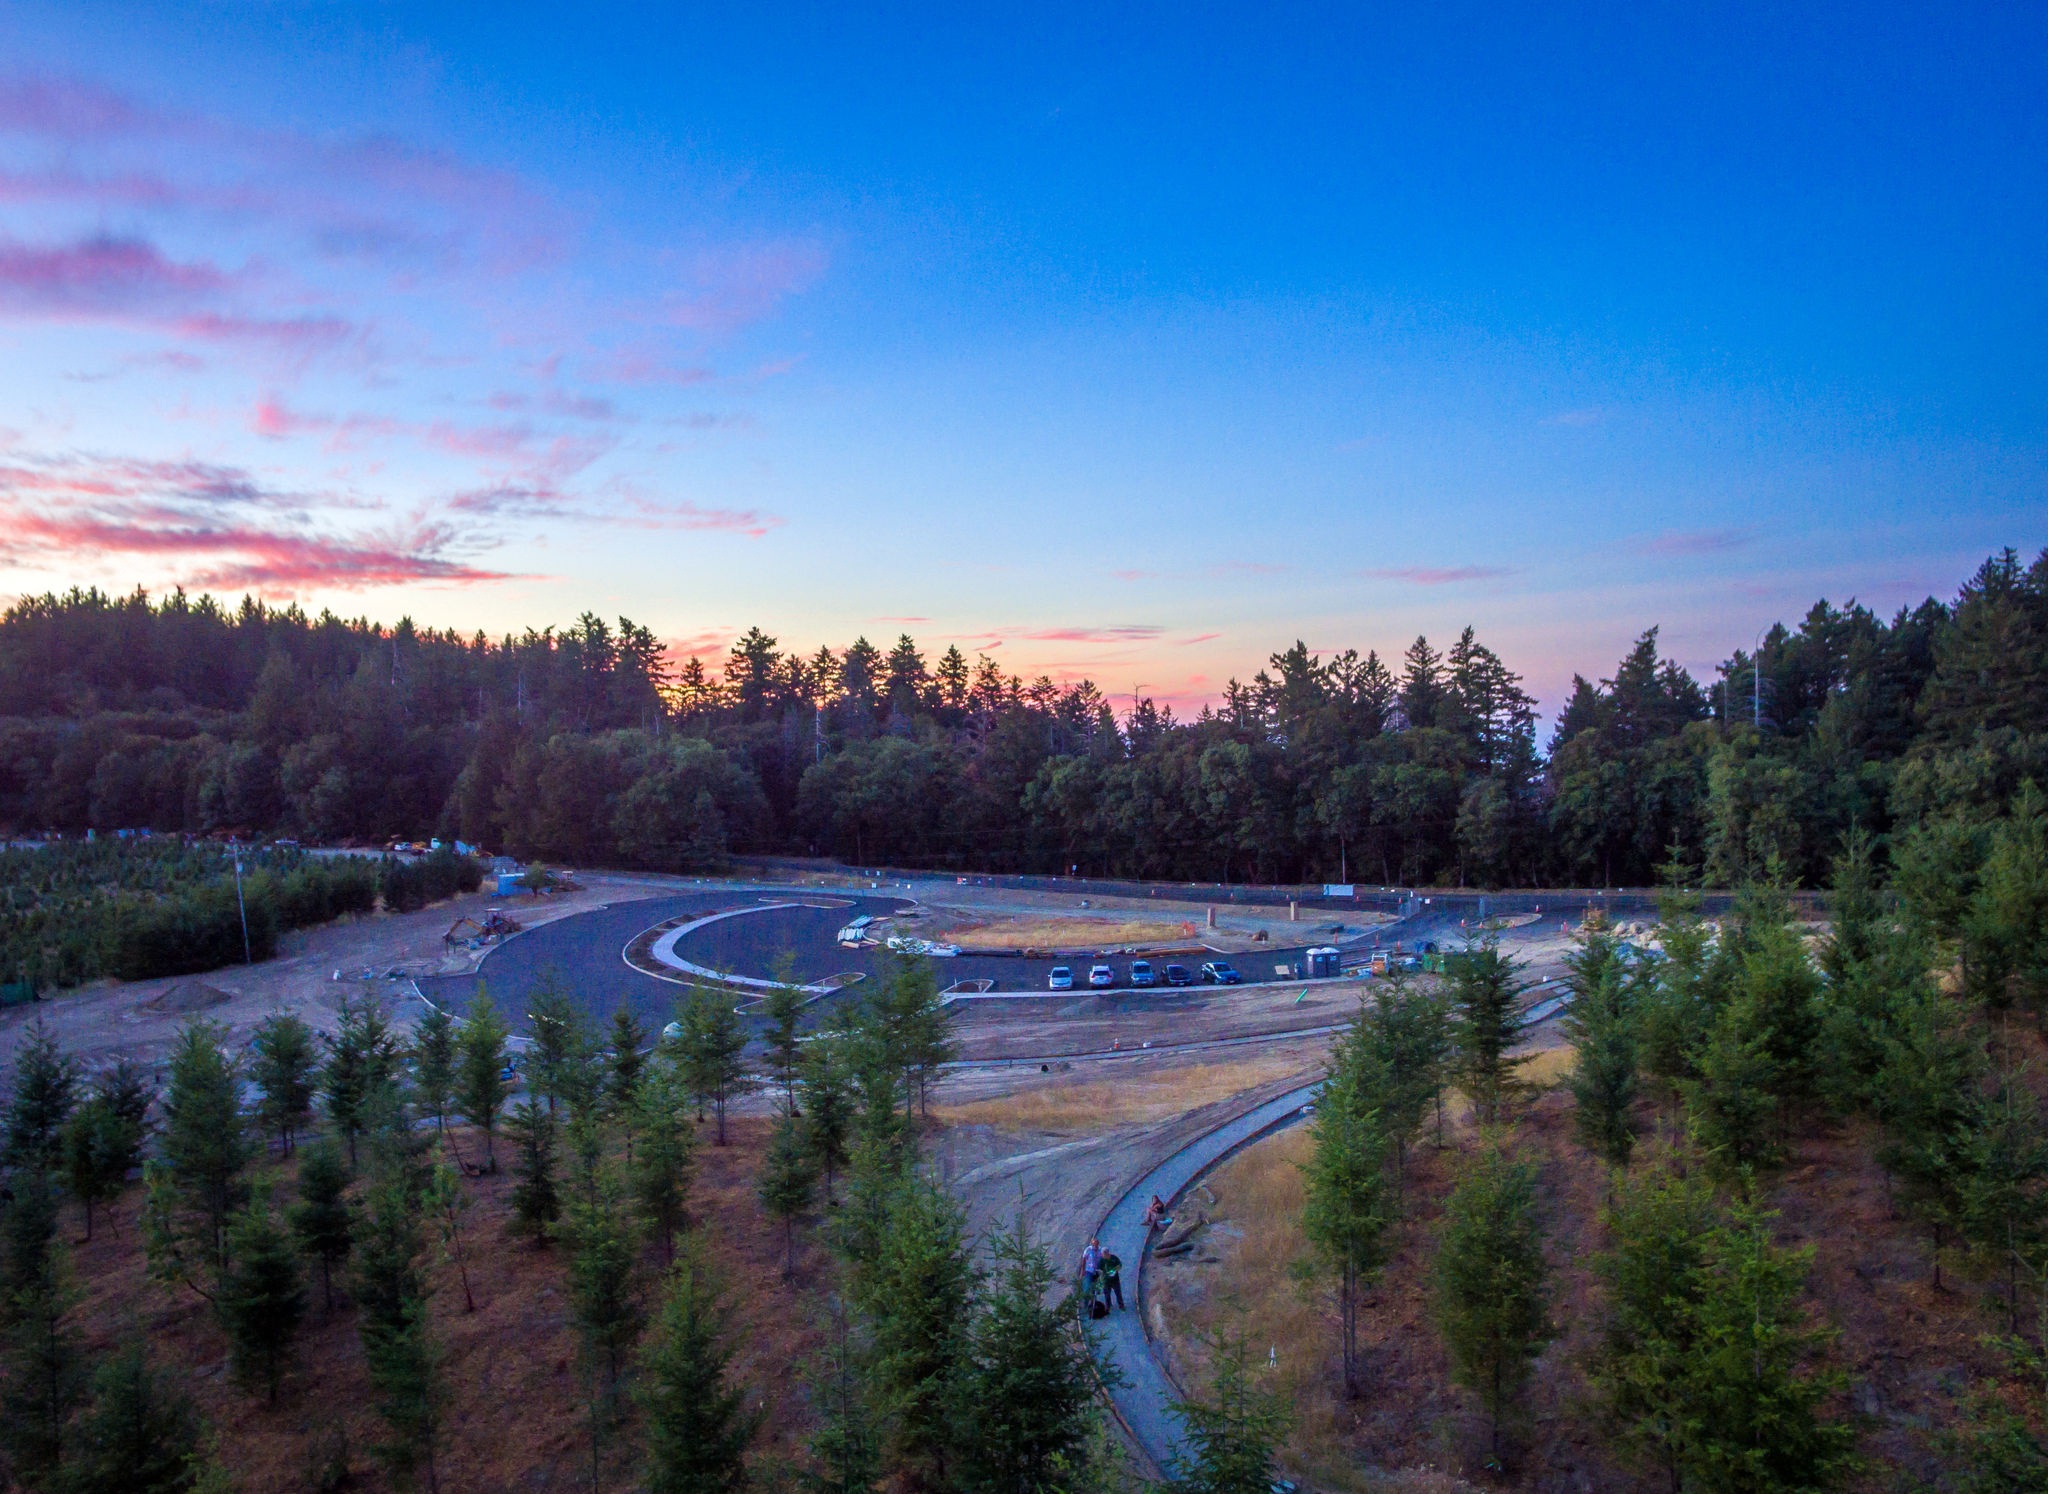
<point x="1102" y="1271"/>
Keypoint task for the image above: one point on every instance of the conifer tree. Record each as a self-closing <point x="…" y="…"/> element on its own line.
<point x="44" y="1092"/>
<point x="398" y="1347"/>
<point x="100" y="1147"/>
<point x="1733" y="1102"/>
<point x="1658" y="1225"/>
<point x="1025" y="1403"/>
<point x="846" y="1449"/>
<point x="1486" y="992"/>
<point x="141" y="1436"/>
<point x="828" y="1107"/>
<point x="433" y="1050"/>
<point x="909" y="1020"/>
<point x="917" y="1293"/>
<point x="1233" y="1434"/>
<point x="561" y="1044"/>
<point x="1876" y="964"/>
<point x="362" y="1057"/>
<point x="2007" y="920"/>
<point x="1926" y="1099"/>
<point x="446" y="1202"/>
<point x="1602" y="1028"/>
<point x="714" y="1042"/>
<point x="1491" y="1279"/>
<point x="784" y="1009"/>
<point x="1752" y="1396"/>
<point x="285" y="1059"/>
<point x="205" y="1145"/>
<point x="480" y="1085"/>
<point x="46" y="1373"/>
<point x="321" y="1219"/>
<point x="625" y="1063"/>
<point x="698" y="1424"/>
<point x="1345" y="1210"/>
<point x="260" y="1301"/>
<point x="663" y="1168"/>
<point x="601" y="1274"/>
<point x="787" y="1183"/>
<point x="2002" y="1157"/>
<point x="607" y="1316"/>
<point x="536" y="1201"/>
<point x="1408" y="1034"/>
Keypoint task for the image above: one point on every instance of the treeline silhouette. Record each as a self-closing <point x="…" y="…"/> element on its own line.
<point x="582" y="745"/>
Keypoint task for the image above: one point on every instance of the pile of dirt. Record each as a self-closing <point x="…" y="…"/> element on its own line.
<point x="188" y="996"/>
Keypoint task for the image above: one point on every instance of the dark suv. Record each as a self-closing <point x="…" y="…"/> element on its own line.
<point x="1177" y="975"/>
<point x="1219" y="973"/>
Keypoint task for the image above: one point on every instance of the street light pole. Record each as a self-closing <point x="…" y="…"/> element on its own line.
<point x="248" y="958"/>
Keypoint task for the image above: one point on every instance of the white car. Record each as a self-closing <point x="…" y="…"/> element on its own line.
<point x="1100" y="976"/>
<point x="1062" y="979"/>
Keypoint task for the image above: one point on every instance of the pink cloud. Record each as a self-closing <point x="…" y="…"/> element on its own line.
<point x="1199" y="638"/>
<point x="1134" y="575"/>
<point x="1119" y="633"/>
<point x="97" y="276"/>
<point x="694" y="645"/>
<point x="736" y="286"/>
<point x="899" y="619"/>
<point x="68" y="110"/>
<point x="212" y="526"/>
<point x="1439" y="576"/>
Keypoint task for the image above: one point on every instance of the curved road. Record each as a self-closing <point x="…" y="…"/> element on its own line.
<point x="1144" y="1401"/>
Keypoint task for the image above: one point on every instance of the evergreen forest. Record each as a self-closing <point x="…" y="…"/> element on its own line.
<point x="1422" y="767"/>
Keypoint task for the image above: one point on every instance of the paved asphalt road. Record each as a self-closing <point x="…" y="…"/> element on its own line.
<point x="584" y="952"/>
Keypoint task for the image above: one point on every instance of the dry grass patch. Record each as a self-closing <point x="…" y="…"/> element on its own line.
<point x="1241" y="1281"/>
<point x="1061" y="1105"/>
<point x="1064" y="933"/>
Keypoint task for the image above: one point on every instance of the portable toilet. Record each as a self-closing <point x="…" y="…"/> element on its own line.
<point x="1322" y="962"/>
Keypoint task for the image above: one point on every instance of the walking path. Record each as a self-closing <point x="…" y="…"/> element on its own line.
<point x="1143" y="1402"/>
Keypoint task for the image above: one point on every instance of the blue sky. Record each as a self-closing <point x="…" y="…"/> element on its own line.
<point x="1131" y="346"/>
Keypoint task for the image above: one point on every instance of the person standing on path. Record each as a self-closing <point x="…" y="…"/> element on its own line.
<point x="1113" y="1279"/>
<point x="1091" y="1270"/>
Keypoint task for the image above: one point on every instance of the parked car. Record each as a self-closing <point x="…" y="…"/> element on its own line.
<point x="1177" y="975"/>
<point x="1062" y="979"/>
<point x="1100" y="976"/>
<point x="1220" y="973"/>
<point x="1141" y="973"/>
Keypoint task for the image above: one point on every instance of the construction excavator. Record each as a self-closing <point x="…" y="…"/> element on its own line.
<point x="497" y="926"/>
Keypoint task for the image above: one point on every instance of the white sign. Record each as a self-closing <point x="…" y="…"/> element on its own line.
<point x="1338" y="889"/>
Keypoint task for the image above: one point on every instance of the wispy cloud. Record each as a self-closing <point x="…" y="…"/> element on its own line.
<point x="1198" y="638"/>
<point x="1248" y="568"/>
<point x="214" y="526"/>
<point x="1116" y="633"/>
<point x="1422" y="575"/>
<point x="1134" y="575"/>
<point x="1591" y="415"/>
<point x="1681" y="542"/>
